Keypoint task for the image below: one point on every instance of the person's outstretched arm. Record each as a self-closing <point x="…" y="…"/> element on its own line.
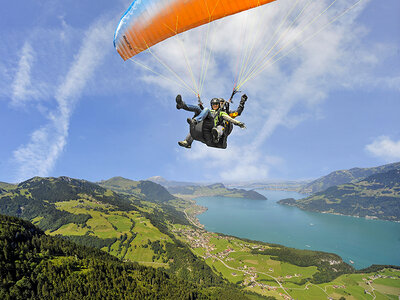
<point x="232" y="120"/>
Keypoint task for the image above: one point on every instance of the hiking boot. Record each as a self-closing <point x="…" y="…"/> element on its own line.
<point x="192" y="122"/>
<point x="185" y="144"/>
<point x="179" y="102"/>
<point x="215" y="136"/>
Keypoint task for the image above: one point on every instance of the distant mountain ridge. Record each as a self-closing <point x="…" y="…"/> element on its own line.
<point x="169" y="183"/>
<point x="278" y="185"/>
<point x="377" y="196"/>
<point x="345" y="176"/>
<point x="216" y="189"/>
<point x="144" y="189"/>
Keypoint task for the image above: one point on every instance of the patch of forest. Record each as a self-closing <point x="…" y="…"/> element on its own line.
<point x="34" y="265"/>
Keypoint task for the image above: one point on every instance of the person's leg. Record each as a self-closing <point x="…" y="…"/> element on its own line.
<point x="187" y="142"/>
<point x="217" y="133"/>
<point x="203" y="114"/>
<point x="193" y="108"/>
<point x="180" y="104"/>
<point x="189" y="139"/>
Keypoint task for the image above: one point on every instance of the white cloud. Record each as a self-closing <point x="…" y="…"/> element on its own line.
<point x="22" y="89"/>
<point x="39" y="155"/>
<point x="384" y="147"/>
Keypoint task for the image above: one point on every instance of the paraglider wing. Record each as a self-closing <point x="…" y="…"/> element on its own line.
<point x="148" y="22"/>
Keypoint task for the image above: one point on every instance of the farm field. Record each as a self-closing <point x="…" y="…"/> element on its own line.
<point x="129" y="232"/>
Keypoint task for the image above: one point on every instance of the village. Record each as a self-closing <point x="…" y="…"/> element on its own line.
<point x="200" y="238"/>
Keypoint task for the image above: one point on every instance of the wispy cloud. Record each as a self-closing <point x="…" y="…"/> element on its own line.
<point x="385" y="148"/>
<point x="39" y="155"/>
<point x="22" y="89"/>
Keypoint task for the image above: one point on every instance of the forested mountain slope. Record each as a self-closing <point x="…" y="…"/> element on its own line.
<point x="34" y="265"/>
<point x="345" y="176"/>
<point x="377" y="196"/>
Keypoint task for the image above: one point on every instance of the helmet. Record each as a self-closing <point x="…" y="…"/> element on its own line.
<point x="214" y="101"/>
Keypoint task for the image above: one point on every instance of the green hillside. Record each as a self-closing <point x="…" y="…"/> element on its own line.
<point x="130" y="229"/>
<point x="36" y="266"/>
<point x="146" y="190"/>
<point x="377" y="196"/>
<point x="345" y="176"/>
<point x="6" y="186"/>
<point x="217" y="189"/>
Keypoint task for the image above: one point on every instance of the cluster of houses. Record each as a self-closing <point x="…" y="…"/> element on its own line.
<point x="335" y="286"/>
<point x="286" y="297"/>
<point x="197" y="238"/>
<point x="371" y="278"/>
<point x="225" y="253"/>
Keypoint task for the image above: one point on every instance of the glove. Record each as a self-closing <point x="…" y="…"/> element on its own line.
<point x="241" y="125"/>
<point x="244" y="98"/>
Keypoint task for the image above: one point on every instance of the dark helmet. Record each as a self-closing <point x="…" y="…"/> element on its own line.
<point x="214" y="101"/>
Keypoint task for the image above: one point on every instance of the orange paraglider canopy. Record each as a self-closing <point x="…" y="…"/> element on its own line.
<point x="147" y="23"/>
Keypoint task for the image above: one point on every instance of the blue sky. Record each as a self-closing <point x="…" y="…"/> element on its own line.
<point x="69" y="105"/>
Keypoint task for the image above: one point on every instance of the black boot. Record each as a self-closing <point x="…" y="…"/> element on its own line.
<point x="215" y="136"/>
<point x="179" y="102"/>
<point x="185" y="144"/>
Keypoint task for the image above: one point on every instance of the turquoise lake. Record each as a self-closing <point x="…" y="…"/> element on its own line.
<point x="362" y="241"/>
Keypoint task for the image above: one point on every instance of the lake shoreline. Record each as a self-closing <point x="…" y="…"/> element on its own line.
<point x="373" y="218"/>
<point x="310" y="237"/>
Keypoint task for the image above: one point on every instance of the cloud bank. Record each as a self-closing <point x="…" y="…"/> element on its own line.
<point x="385" y="148"/>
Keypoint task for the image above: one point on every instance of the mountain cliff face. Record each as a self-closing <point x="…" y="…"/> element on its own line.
<point x="345" y="176"/>
<point x="377" y="196"/>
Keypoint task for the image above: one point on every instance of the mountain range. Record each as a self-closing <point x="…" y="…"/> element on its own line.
<point x="140" y="222"/>
<point x="345" y="176"/>
<point x="216" y="189"/>
<point x="376" y="196"/>
<point x="170" y="183"/>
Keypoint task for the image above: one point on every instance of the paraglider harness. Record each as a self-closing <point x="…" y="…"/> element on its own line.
<point x="202" y="131"/>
